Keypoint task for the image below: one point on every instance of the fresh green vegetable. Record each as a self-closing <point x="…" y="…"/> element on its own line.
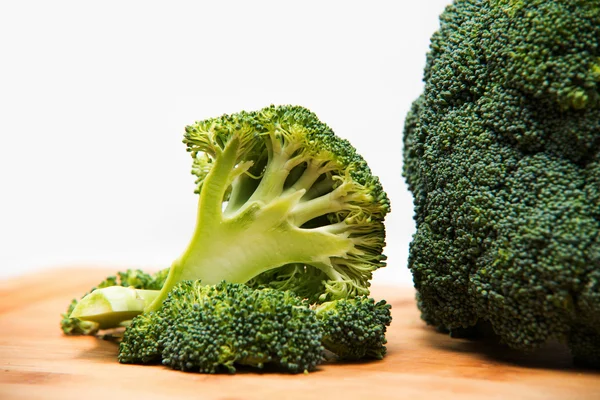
<point x="354" y="329"/>
<point x="502" y="155"/>
<point x="289" y="217"/>
<point x="284" y="203"/>
<point x="205" y="328"/>
<point x="208" y="328"/>
<point x="134" y="278"/>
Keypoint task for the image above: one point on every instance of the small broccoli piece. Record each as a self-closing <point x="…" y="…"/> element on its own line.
<point x="354" y="329"/>
<point x="282" y="202"/>
<point x="501" y="153"/>
<point x="206" y="328"/>
<point x="135" y="278"/>
<point x="75" y="326"/>
<point x="112" y="306"/>
<point x="140" y="342"/>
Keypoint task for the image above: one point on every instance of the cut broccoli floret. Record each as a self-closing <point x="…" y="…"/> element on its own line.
<point x="209" y="328"/>
<point x="206" y="328"/>
<point x="140" y="343"/>
<point x="74" y="326"/>
<point x="281" y="195"/>
<point x="355" y="328"/>
<point x="284" y="203"/>
<point x="501" y="153"/>
<point x="289" y="215"/>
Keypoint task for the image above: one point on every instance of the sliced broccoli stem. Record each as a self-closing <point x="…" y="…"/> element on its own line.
<point x="320" y="187"/>
<point x="110" y="306"/>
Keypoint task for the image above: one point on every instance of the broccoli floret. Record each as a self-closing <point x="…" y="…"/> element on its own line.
<point x="501" y="153"/>
<point x="283" y="203"/>
<point x="135" y="278"/>
<point x="289" y="215"/>
<point x="354" y="329"/>
<point x="281" y="195"/>
<point x="140" y="343"/>
<point x="206" y="328"/>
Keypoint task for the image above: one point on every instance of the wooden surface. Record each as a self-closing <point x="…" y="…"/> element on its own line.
<point x="38" y="362"/>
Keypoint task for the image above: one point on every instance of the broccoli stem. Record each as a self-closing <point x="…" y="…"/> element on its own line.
<point x="110" y="306"/>
<point x="266" y="241"/>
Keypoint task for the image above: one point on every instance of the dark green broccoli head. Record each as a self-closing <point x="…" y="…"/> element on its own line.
<point x="501" y="153"/>
<point x="211" y="328"/>
<point x="355" y="328"/>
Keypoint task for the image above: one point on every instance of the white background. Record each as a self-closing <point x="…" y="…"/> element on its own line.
<point x="94" y="97"/>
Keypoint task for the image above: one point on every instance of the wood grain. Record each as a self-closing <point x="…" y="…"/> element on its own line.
<point x="38" y="362"/>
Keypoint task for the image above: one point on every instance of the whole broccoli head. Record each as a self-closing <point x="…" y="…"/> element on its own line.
<point x="502" y="155"/>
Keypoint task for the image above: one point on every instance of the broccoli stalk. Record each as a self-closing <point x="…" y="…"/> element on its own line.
<point x="110" y="306"/>
<point x="135" y="278"/>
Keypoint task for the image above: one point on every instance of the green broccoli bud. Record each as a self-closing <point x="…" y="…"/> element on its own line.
<point x="206" y="328"/>
<point x="211" y="328"/>
<point x="140" y="342"/>
<point x="355" y="328"/>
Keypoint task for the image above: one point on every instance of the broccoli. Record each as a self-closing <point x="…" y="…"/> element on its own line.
<point x="354" y="329"/>
<point x="134" y="278"/>
<point x="283" y="203"/>
<point x="502" y="155"/>
<point x="289" y="217"/>
<point x="208" y="328"/>
<point x="281" y="195"/>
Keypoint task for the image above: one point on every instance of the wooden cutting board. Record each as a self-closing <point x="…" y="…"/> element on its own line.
<point x="38" y="362"/>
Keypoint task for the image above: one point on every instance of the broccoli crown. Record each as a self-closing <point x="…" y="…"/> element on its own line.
<point x="501" y="153"/>
<point x="281" y="195"/>
<point x="355" y="328"/>
<point x="135" y="278"/>
<point x="208" y="328"/>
